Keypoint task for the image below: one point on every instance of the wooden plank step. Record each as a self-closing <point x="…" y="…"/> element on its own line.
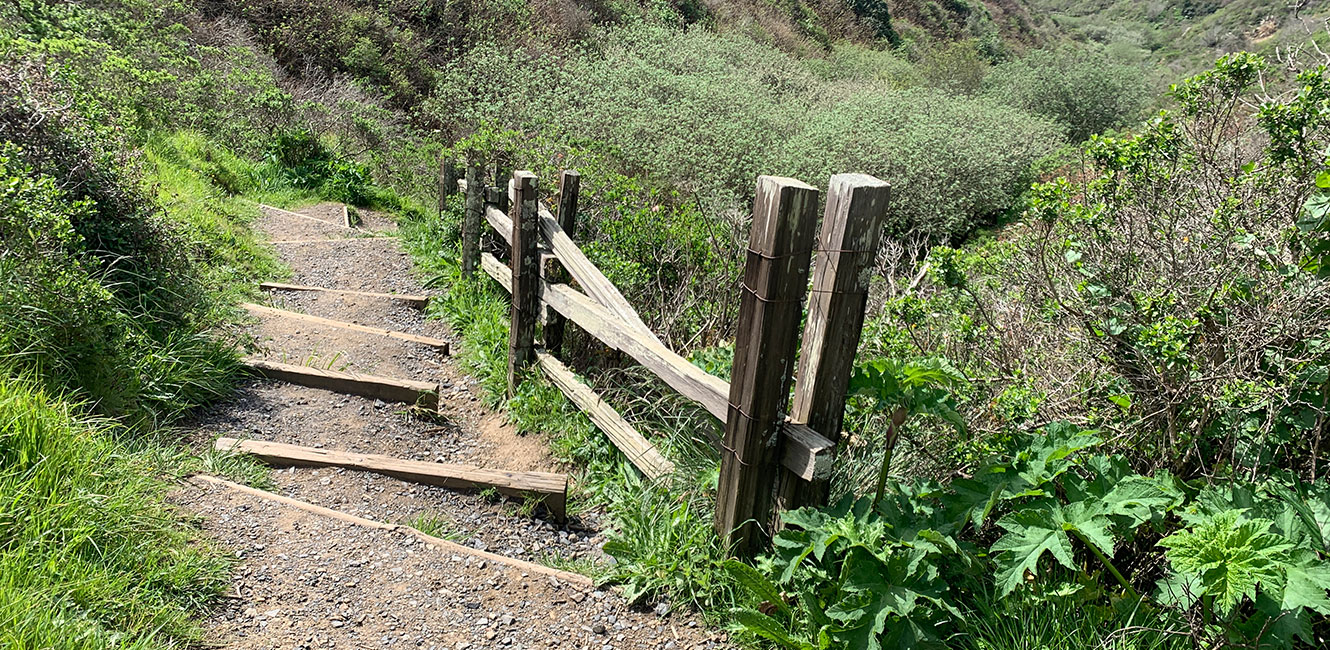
<point x="419" y="302"/>
<point x="341" y="240"/>
<point x="438" y="344"/>
<point x="550" y="488"/>
<point x="264" y="206"/>
<point x="418" y="393"/>
<point x="451" y="547"/>
<point x="640" y="452"/>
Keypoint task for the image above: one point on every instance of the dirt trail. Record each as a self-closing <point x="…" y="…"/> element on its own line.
<point x="308" y="580"/>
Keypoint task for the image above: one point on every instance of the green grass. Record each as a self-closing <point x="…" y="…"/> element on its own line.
<point x="1058" y="623"/>
<point x="89" y="556"/>
<point x="437" y="525"/>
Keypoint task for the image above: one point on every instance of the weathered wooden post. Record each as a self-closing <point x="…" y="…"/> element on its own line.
<point x="526" y="275"/>
<point x="553" y="324"/>
<point x="847" y="247"/>
<point x="471" y="218"/>
<point x="447" y="182"/>
<point x="502" y="175"/>
<point x="775" y="280"/>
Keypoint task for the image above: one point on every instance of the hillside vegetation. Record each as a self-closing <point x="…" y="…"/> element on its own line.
<point x="1090" y="408"/>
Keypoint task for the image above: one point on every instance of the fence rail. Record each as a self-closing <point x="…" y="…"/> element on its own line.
<point x="769" y="459"/>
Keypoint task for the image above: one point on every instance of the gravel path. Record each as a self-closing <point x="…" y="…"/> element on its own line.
<point x="310" y="580"/>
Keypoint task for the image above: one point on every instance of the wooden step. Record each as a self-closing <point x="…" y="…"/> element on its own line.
<point x="289" y="213"/>
<point x="419" y="302"/>
<point x="550" y="488"/>
<point x="418" y="393"/>
<point x="453" y="547"/>
<point x="438" y="344"/>
<point x="342" y="240"/>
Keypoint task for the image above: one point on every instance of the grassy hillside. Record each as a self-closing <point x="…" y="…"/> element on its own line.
<point x="1187" y="35"/>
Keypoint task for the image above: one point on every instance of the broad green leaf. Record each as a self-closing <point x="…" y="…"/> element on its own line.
<point x="767" y="628"/>
<point x="1179" y="590"/>
<point x="882" y="593"/>
<point x="1048" y="458"/>
<point x="1104" y="474"/>
<point x="1089" y="518"/>
<point x="757" y="584"/>
<point x="1300" y="519"/>
<point x="1315" y="213"/>
<point x="974" y="499"/>
<point x="1306" y="581"/>
<point x="1229" y="557"/>
<point x="1031" y="533"/>
<point x="1141" y="498"/>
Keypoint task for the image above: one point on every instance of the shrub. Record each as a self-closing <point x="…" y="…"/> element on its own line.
<point x="1180" y="262"/>
<point x="103" y="293"/>
<point x="1170" y="293"/>
<point x="1086" y="90"/>
<point x="954" y="164"/>
<point x="56" y="316"/>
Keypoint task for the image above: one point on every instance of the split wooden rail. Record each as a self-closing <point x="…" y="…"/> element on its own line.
<point x="768" y="459"/>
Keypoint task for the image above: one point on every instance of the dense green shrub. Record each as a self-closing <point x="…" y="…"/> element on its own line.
<point x="1171" y="294"/>
<point x="954" y="164"/>
<point x="1086" y="91"/>
<point x="1182" y="265"/>
<point x="133" y="66"/>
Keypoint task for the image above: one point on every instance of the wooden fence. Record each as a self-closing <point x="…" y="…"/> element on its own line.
<point x="777" y="453"/>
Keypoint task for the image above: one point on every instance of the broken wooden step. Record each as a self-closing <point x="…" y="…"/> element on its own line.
<point x="417" y="301"/>
<point x="418" y="393"/>
<point x="289" y="213"/>
<point x="438" y="344"/>
<point x="552" y="489"/>
<point x="452" y="547"/>
<point x="341" y="240"/>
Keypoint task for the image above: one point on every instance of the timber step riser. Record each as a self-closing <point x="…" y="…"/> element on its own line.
<point x="551" y="489"/>
<point x="417" y="393"/>
<point x="451" y="547"/>
<point x="443" y="347"/>
<point x="419" y="302"/>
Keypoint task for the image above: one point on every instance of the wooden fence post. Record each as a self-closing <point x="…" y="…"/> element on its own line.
<point x="847" y="248"/>
<point x="553" y="324"/>
<point x="526" y="275"/>
<point x="471" y="219"/>
<point x="775" y="280"/>
<point x="447" y="182"/>
<point x="502" y="174"/>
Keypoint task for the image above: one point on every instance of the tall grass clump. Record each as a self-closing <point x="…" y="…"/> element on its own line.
<point x="89" y="557"/>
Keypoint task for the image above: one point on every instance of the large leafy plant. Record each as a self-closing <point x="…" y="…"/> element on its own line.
<point x="857" y="576"/>
<point x="1050" y="519"/>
